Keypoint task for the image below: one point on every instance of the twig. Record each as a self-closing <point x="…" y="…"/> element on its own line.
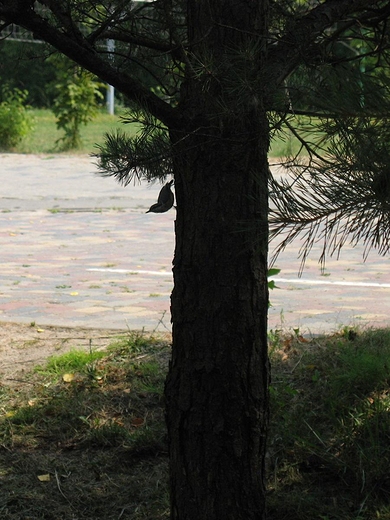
<point x="19" y="380"/>
<point x="60" y="490"/>
<point x="121" y="513"/>
<point x="314" y="433"/>
<point x="160" y="321"/>
<point x="297" y="363"/>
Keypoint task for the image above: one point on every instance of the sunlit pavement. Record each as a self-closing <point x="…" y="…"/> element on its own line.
<point x="78" y="249"/>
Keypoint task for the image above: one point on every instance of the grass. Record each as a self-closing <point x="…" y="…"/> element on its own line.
<point x="284" y="146"/>
<point x="45" y="134"/>
<point x="88" y="446"/>
<point x="73" y="361"/>
<point x="93" y="445"/>
<point x="329" y="444"/>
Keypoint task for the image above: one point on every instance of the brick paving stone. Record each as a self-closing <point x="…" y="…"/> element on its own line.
<point x="78" y="250"/>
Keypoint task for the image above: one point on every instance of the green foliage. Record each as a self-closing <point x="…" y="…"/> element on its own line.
<point x="337" y="190"/>
<point x="272" y="272"/>
<point x="24" y="65"/>
<point x="147" y="155"/>
<point x="330" y="426"/>
<point x="15" y="119"/>
<point x="271" y="283"/>
<point x="76" y="102"/>
<point x="73" y="361"/>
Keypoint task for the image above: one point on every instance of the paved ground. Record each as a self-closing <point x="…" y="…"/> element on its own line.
<point x="78" y="250"/>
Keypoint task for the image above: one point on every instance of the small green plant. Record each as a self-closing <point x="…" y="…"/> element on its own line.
<point x="271" y="283"/>
<point x="73" y="361"/>
<point x="76" y="103"/>
<point x="15" y="120"/>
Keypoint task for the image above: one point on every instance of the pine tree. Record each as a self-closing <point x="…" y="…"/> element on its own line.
<point x="212" y="83"/>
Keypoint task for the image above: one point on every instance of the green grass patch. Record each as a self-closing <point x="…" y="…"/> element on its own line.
<point x="72" y="361"/>
<point x="287" y="140"/>
<point x="286" y="145"/>
<point x="45" y="135"/>
<point x="329" y="442"/>
<point x="98" y="440"/>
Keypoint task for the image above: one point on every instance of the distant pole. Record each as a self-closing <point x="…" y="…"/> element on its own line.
<point x="110" y="98"/>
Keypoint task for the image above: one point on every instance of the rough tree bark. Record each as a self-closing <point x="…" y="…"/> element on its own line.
<point x="217" y="386"/>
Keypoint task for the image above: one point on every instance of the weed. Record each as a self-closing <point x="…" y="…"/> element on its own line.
<point x="73" y="361"/>
<point x="101" y="436"/>
<point x="329" y="442"/>
<point x="99" y="440"/>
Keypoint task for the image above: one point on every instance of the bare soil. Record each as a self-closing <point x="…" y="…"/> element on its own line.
<point x="24" y="346"/>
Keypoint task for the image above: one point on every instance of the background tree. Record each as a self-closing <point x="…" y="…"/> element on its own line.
<point x="230" y="76"/>
<point x="76" y="100"/>
<point x="24" y="65"/>
<point x="15" y="120"/>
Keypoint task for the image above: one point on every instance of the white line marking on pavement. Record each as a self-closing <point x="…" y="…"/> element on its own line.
<point x="330" y="282"/>
<point x="129" y="271"/>
<point x="276" y="280"/>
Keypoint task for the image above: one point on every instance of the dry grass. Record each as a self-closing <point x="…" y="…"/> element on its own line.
<point x="84" y="436"/>
<point x="90" y="448"/>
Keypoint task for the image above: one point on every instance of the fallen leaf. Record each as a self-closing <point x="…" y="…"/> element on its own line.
<point x="137" y="421"/>
<point x="44" y="478"/>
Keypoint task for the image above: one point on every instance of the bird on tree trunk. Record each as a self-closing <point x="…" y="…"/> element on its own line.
<point x="165" y="200"/>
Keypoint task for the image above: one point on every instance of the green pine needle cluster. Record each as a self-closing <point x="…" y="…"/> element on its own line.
<point x="147" y="155"/>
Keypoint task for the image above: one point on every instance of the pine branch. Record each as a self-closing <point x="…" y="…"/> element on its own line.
<point x="346" y="199"/>
<point x="286" y="54"/>
<point x="148" y="155"/>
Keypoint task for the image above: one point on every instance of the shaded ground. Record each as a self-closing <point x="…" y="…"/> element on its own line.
<point x="24" y="346"/>
<point x="84" y="438"/>
<point x="92" y="446"/>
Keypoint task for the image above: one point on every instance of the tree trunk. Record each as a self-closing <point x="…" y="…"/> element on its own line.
<point x="217" y="406"/>
<point x="216" y="391"/>
<point x="217" y="386"/>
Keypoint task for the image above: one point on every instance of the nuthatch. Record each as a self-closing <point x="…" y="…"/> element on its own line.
<point x="165" y="200"/>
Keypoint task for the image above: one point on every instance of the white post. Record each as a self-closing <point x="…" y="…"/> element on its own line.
<point x="110" y="98"/>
